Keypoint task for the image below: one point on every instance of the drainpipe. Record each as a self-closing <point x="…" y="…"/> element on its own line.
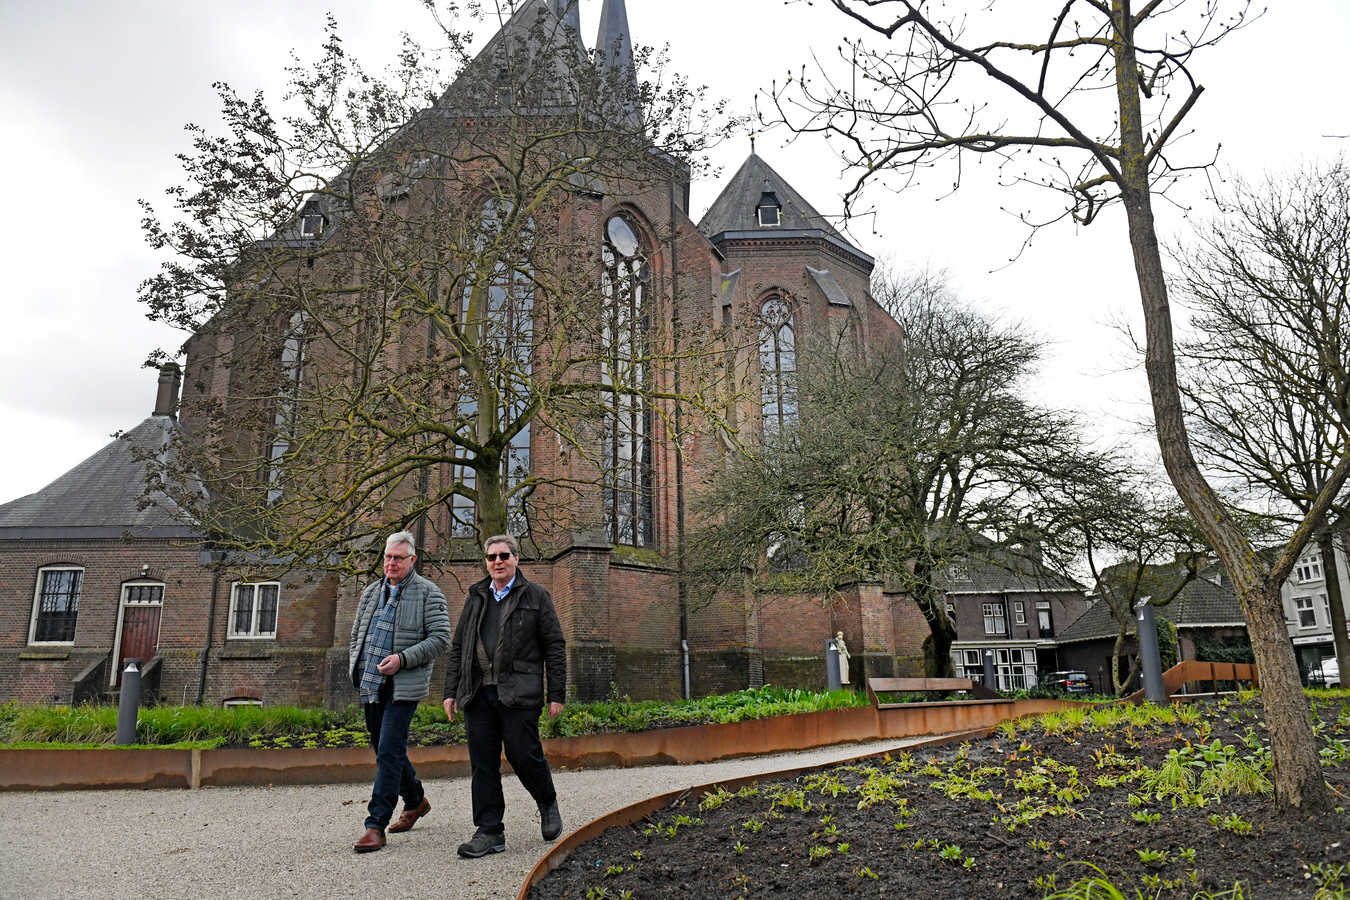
<point x="681" y="589"/>
<point x="210" y="629"/>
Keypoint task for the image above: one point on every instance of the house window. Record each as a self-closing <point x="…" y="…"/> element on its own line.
<point x="1307" y="617"/>
<point x="777" y="368"/>
<point x="253" y="610"/>
<point x="311" y="220"/>
<point x="769" y="209"/>
<point x="995" y="620"/>
<point x="240" y="701"/>
<point x="1020" y="612"/>
<point x="967" y="664"/>
<point x="56" y="605"/>
<point x="1015" y="667"/>
<point x="1308" y="569"/>
<point x="1044" y="623"/>
<point x="627" y="445"/>
<point x="951" y="610"/>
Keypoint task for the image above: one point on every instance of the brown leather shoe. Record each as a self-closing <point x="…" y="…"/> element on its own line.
<point x="372" y="840"/>
<point x="410" y="816"/>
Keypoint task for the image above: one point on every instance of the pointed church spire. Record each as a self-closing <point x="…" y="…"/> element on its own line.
<point x="614" y="43"/>
<point x="568" y="13"/>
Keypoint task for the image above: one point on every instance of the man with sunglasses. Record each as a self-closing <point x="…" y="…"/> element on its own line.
<point x="401" y="626"/>
<point x="507" y="639"/>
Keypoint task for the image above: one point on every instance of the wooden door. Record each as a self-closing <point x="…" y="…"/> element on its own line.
<point x="140" y="626"/>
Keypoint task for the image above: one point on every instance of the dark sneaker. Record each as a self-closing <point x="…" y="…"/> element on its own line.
<point x="481" y="844"/>
<point x="550" y="821"/>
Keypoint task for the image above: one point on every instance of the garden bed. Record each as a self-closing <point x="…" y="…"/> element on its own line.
<point x="1167" y="802"/>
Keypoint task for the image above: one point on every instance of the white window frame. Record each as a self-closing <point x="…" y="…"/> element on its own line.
<point x="240" y="701"/>
<point x="121" y="611"/>
<point x="37" y="605"/>
<point x="1015" y="668"/>
<point x="1308" y="569"/>
<point x="253" y="634"/>
<point x="1019" y="612"/>
<point x="1304" y="605"/>
<point x="995" y="618"/>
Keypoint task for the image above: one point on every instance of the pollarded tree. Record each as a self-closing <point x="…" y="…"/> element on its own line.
<point x="395" y="288"/>
<point x="1085" y="97"/>
<point x="898" y="465"/>
<point x="1266" y="374"/>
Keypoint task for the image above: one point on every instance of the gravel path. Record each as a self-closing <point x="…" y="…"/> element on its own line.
<point x="295" y="841"/>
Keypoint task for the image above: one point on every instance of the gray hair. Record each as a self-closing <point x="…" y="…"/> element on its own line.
<point x="402" y="537"/>
<point x="503" y="539"/>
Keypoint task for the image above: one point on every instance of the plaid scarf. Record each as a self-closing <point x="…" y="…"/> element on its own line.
<point x="379" y="643"/>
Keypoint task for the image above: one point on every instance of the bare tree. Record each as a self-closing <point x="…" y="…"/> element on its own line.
<point x="1086" y="99"/>
<point x="902" y="463"/>
<point x="1266" y="376"/>
<point x="394" y="288"/>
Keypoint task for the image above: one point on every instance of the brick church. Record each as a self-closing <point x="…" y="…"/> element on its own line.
<point x="95" y="570"/>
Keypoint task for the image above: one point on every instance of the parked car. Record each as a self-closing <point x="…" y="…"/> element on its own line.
<point x="1328" y="674"/>
<point x="1067" y="682"/>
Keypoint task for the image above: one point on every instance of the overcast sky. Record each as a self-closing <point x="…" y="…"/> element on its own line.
<point x="94" y="96"/>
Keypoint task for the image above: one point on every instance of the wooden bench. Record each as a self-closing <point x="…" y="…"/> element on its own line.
<point x="926" y="685"/>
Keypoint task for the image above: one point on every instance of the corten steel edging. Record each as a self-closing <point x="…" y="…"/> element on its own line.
<point x="66" y="770"/>
<point x="637" y="811"/>
<point x="22" y="770"/>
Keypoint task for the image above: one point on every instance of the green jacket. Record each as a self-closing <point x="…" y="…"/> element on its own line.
<point x="421" y="633"/>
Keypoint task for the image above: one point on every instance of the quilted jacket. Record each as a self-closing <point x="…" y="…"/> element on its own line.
<point x="421" y="633"/>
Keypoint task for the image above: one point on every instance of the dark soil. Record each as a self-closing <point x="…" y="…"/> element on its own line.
<point x="1020" y="814"/>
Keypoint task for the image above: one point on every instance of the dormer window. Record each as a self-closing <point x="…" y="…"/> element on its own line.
<point x="769" y="209"/>
<point x="311" y="220"/>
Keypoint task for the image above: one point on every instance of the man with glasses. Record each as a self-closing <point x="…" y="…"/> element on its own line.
<point x="401" y="626"/>
<point x="507" y="639"/>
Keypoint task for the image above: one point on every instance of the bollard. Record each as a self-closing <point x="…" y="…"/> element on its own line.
<point x="129" y="704"/>
<point x="832" y="681"/>
<point x="1149" y="659"/>
<point x="990" y="673"/>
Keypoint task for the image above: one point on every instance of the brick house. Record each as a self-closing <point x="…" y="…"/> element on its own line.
<point x="1016" y="610"/>
<point x="95" y="575"/>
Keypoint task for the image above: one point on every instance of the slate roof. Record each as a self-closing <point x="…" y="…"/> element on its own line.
<point x="1020" y="575"/>
<point x="100" y="497"/>
<point x="1200" y="604"/>
<point x="734" y="212"/>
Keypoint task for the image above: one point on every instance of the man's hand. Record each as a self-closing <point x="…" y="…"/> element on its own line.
<point x="450" y="708"/>
<point x="554" y="710"/>
<point x="390" y="664"/>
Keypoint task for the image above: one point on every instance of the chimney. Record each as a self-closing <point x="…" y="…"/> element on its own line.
<point x="166" y="400"/>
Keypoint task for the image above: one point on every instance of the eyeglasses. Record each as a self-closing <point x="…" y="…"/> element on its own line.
<point x="493" y="557"/>
<point x="391" y="557"/>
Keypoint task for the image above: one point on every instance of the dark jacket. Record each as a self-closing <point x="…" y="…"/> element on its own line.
<point x="529" y="644"/>
<point x="421" y="632"/>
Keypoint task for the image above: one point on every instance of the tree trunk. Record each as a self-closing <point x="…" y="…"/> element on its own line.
<point x="1297" y="768"/>
<point x="1331" y="571"/>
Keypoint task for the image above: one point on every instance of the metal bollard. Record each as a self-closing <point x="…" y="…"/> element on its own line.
<point x="1149" y="658"/>
<point x="129" y="703"/>
<point x="832" y="681"/>
<point x="990" y="673"/>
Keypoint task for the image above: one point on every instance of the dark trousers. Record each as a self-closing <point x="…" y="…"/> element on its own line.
<point x="492" y="727"/>
<point x="387" y="720"/>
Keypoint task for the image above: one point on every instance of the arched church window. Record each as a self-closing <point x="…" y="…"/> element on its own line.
<point x="503" y="319"/>
<point x="777" y="367"/>
<point x="283" y="420"/>
<point x="626" y="449"/>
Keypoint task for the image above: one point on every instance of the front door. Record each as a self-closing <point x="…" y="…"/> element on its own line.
<point x="141" y="605"/>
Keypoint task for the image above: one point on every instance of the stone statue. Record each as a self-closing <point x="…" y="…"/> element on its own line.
<point x="843" y="657"/>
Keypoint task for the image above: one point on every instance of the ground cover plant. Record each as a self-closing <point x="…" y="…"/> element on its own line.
<point x="35" y="725"/>
<point x="1131" y="801"/>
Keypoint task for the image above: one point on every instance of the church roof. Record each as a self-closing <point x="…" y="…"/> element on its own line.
<point x="735" y="212"/>
<point x="102" y="496"/>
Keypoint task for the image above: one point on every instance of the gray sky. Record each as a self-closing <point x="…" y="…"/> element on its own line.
<point x="94" y="96"/>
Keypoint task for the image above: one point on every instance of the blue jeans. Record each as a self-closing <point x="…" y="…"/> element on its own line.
<point x="387" y="721"/>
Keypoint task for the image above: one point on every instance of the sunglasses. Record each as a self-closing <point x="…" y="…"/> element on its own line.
<point x="493" y="557"/>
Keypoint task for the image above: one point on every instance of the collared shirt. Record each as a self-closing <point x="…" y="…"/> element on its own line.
<point x="501" y="595"/>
